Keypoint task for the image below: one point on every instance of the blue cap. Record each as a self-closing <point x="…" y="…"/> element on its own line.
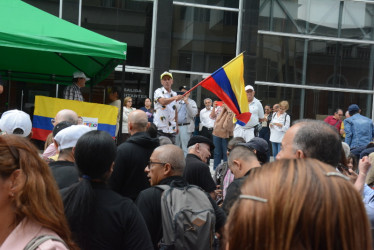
<point x="353" y="107"/>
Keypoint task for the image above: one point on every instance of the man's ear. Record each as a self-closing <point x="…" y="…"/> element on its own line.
<point x="167" y="169"/>
<point x="237" y="163"/>
<point x="130" y="126"/>
<point x="148" y="124"/>
<point x="300" y="154"/>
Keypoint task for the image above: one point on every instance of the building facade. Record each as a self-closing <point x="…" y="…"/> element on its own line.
<point x="317" y="54"/>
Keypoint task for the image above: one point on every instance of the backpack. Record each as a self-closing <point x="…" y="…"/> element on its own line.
<point x="188" y="218"/>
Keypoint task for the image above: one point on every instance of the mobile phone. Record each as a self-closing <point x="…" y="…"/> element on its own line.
<point x="219" y="103"/>
<point x="180" y="93"/>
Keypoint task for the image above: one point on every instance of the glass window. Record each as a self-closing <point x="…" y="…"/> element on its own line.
<point x="50" y="6"/>
<point x="279" y="59"/>
<point x="202" y="39"/>
<point x="335" y="64"/>
<point x="125" y="21"/>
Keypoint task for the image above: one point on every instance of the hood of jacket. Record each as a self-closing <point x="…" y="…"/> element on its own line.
<point x="143" y="139"/>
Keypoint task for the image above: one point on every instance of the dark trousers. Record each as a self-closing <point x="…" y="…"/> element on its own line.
<point x="207" y="133"/>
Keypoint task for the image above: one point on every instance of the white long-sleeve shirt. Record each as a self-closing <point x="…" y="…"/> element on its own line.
<point x="277" y="133"/>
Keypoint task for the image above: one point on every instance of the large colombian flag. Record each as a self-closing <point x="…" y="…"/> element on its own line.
<point x="228" y="85"/>
<point x="96" y="116"/>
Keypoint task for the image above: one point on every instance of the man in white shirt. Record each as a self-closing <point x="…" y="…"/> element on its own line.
<point x="187" y="110"/>
<point x="206" y="120"/>
<point x="257" y="111"/>
<point x="166" y="114"/>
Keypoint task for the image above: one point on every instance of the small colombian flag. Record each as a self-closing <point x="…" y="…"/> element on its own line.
<point x="227" y="83"/>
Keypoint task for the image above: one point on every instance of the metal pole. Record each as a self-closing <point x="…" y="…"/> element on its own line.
<point x="60" y="9"/>
<point x="153" y="47"/>
<point x="121" y="96"/>
<point x="80" y="13"/>
<point x="239" y="29"/>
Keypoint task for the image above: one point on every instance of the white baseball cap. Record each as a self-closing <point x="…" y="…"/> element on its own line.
<point x="14" y="119"/>
<point x="249" y="87"/>
<point x="80" y="74"/>
<point x="68" y="137"/>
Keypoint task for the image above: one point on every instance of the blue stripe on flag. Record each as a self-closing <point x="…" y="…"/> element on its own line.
<point x="223" y="81"/>
<point x="111" y="129"/>
<point x="42" y="122"/>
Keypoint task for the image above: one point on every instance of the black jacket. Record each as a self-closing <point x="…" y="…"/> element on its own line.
<point x="233" y="191"/>
<point x="64" y="172"/>
<point x="149" y="204"/>
<point x="198" y="173"/>
<point x="128" y="177"/>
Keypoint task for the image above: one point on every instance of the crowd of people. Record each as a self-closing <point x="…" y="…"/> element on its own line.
<point x="155" y="190"/>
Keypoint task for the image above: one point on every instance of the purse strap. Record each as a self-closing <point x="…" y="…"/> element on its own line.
<point x="38" y="240"/>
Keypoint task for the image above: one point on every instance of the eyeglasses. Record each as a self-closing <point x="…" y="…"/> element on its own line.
<point x="150" y="163"/>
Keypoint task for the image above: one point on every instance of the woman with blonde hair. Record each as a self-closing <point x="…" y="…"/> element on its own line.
<point x="127" y="109"/>
<point x="298" y="204"/>
<point x="30" y="205"/>
<point x="280" y="123"/>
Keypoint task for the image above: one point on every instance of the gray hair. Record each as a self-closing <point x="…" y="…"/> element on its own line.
<point x="164" y="140"/>
<point x="318" y="140"/>
<point x="174" y="156"/>
<point x="207" y="99"/>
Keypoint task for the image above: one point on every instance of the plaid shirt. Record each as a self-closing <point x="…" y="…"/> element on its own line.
<point x="73" y="92"/>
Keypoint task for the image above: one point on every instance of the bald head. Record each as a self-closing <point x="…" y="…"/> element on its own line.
<point x="137" y="121"/>
<point x="172" y="154"/>
<point x="66" y="115"/>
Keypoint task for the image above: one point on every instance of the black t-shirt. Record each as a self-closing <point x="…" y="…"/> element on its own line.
<point x="198" y="173"/>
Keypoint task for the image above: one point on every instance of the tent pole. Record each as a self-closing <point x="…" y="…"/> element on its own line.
<point x="9" y="86"/>
<point x="121" y="96"/>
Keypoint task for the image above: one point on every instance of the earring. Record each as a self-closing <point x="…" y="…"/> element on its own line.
<point x="11" y="194"/>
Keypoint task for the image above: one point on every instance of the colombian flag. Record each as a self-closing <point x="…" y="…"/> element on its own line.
<point x="96" y="116"/>
<point x="228" y="85"/>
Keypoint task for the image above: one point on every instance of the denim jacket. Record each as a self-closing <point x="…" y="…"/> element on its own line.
<point x="359" y="131"/>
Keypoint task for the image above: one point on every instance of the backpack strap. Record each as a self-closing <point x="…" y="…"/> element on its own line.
<point x="163" y="187"/>
<point x="38" y="240"/>
<point x="285" y="119"/>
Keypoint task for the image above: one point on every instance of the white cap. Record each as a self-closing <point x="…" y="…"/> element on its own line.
<point x="249" y="87"/>
<point x="13" y="119"/>
<point x="68" y="137"/>
<point x="80" y="74"/>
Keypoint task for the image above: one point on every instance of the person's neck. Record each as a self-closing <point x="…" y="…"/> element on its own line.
<point x="66" y="157"/>
<point x="148" y="107"/>
<point x="7" y="224"/>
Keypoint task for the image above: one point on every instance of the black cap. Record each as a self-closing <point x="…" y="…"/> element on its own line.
<point x="200" y="139"/>
<point x="256" y="143"/>
<point x="184" y="87"/>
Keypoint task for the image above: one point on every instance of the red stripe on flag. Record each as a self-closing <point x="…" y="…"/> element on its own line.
<point x="40" y="134"/>
<point x="210" y="84"/>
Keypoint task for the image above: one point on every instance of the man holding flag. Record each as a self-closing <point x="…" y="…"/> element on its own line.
<point x="255" y="107"/>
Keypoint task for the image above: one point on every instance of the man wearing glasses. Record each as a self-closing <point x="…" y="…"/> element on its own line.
<point x="73" y="92"/>
<point x="165" y="167"/>
<point x="336" y="119"/>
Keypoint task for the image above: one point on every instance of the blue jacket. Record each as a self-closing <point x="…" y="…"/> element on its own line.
<point x="359" y="130"/>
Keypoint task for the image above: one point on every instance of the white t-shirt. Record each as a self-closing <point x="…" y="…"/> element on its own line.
<point x="277" y="133"/>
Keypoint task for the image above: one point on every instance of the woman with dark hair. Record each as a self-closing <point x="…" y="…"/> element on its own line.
<point x="100" y="218"/>
<point x="298" y="204"/>
<point x="30" y="205"/>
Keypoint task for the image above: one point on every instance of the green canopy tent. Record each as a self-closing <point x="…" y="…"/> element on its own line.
<point x="36" y="46"/>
